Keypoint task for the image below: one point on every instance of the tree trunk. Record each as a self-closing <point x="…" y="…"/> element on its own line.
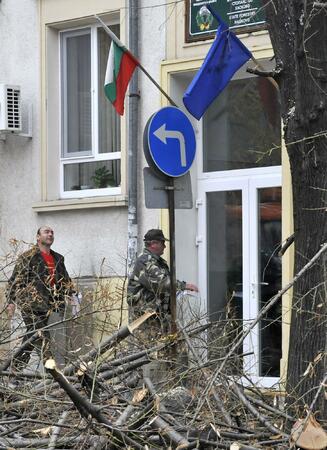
<point x="298" y="31"/>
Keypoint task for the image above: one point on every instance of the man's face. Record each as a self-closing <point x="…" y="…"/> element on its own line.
<point x="45" y="236"/>
<point x="158" y="247"/>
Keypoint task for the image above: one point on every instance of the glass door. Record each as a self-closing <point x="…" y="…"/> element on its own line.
<point x="239" y="267"/>
<point x="266" y="272"/>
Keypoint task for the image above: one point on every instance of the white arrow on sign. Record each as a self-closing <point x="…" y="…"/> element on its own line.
<point x="162" y="134"/>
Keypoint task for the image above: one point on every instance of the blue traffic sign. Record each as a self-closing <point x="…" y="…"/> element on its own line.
<point x="170" y="141"/>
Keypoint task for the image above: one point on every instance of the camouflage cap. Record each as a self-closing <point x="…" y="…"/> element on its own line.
<point x="155" y="235"/>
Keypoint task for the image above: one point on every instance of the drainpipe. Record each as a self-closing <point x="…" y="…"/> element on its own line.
<point x="133" y="124"/>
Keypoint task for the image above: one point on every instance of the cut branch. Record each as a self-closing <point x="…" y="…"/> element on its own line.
<point x="84" y="406"/>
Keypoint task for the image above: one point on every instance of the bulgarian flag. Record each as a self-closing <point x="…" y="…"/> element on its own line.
<point x="120" y="67"/>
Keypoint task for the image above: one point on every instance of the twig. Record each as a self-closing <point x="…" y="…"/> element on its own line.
<point x="129" y="358"/>
<point x="122" y="419"/>
<point x="56" y="431"/>
<point x="234" y="387"/>
<point x="271" y="409"/>
<point x="108" y="374"/>
<point x="165" y="429"/>
<point x="216" y="396"/>
<point x="22" y="443"/>
<point x="286" y="244"/>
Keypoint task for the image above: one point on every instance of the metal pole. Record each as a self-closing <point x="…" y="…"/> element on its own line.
<point x="171" y="101"/>
<point x="133" y="119"/>
<point x="171" y="211"/>
<point x="132" y="53"/>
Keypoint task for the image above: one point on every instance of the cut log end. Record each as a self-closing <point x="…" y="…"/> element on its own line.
<point x="50" y="364"/>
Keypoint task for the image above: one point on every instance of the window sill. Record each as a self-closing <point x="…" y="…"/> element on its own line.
<point x="83" y="203"/>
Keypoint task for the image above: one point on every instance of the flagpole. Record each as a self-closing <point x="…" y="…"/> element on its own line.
<point x="120" y="44"/>
<point x="271" y="79"/>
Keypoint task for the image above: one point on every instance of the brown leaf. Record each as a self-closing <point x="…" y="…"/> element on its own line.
<point x="157" y="403"/>
<point x="114" y="400"/>
<point x="309" y="435"/>
<point x="139" y="395"/>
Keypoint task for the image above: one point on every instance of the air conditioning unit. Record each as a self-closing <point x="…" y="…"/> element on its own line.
<point x="10" y="108"/>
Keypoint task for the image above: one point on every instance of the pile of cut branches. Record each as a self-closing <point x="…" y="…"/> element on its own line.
<point x="168" y="395"/>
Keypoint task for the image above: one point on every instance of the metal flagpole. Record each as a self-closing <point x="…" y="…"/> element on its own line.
<point x="120" y="44"/>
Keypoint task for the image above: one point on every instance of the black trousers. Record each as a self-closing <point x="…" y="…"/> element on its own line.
<point x="33" y="322"/>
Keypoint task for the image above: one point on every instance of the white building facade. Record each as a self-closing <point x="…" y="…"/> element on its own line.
<point x="72" y="172"/>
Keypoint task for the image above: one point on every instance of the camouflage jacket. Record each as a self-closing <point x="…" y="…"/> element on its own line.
<point x="149" y="284"/>
<point x="29" y="285"/>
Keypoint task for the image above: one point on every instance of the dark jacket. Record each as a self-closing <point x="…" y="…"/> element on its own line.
<point x="149" y="284"/>
<point x="29" y="286"/>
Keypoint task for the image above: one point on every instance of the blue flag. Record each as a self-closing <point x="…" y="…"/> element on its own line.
<point x="226" y="55"/>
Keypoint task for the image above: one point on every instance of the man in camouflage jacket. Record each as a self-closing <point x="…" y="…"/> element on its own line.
<point x="149" y="284"/>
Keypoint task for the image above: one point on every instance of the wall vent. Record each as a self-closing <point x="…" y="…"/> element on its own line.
<point x="10" y="108"/>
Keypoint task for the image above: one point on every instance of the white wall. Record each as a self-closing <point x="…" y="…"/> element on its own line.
<point x="186" y="219"/>
<point x="84" y="236"/>
<point x="19" y="62"/>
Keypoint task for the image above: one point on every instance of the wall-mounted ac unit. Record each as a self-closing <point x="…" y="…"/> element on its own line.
<point x="10" y="108"/>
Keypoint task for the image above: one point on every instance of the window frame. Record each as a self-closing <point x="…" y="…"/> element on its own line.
<point x="85" y="156"/>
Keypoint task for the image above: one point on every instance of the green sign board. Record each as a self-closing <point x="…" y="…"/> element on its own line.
<point x="238" y="14"/>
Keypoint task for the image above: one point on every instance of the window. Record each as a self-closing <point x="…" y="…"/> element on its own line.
<point x="90" y="144"/>
<point x="242" y="127"/>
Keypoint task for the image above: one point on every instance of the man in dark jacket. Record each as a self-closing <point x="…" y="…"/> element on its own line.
<point x="149" y="285"/>
<point x="39" y="286"/>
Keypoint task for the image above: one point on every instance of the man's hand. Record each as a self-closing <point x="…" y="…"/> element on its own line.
<point x="191" y="287"/>
<point x="11" y="310"/>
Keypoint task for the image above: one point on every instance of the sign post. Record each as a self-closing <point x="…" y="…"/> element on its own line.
<point x="169" y="147"/>
<point x="171" y="212"/>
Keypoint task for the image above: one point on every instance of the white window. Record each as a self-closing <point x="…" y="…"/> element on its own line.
<point x="90" y="156"/>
